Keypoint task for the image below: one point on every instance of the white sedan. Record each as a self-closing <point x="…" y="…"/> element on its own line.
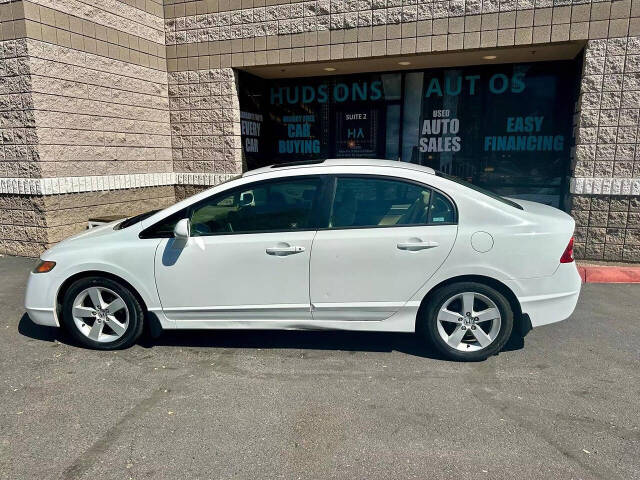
<point x="336" y="244"/>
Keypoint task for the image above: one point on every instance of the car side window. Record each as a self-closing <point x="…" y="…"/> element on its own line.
<point x="381" y="202"/>
<point x="279" y="205"/>
<point x="373" y="202"/>
<point x="164" y="228"/>
<point x="441" y="209"/>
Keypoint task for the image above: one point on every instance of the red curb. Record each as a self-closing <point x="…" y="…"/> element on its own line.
<point x="593" y="274"/>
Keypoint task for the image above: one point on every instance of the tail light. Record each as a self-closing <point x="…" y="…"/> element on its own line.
<point x="567" y="256"/>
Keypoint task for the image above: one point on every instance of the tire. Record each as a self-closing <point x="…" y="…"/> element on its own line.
<point x="481" y="334"/>
<point x="119" y="318"/>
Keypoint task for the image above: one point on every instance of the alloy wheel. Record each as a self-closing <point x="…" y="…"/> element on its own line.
<point x="469" y="321"/>
<point x="100" y="314"/>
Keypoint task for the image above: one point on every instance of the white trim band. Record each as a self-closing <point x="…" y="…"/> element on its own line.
<point x="62" y="185"/>
<point x="604" y="186"/>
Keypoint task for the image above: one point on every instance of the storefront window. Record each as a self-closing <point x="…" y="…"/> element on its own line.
<point x="507" y="127"/>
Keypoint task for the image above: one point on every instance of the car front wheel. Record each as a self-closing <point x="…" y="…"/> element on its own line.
<point x="467" y="321"/>
<point x="102" y="314"/>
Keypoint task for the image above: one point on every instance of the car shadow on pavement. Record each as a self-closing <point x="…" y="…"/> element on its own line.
<point x="38" y="332"/>
<point x="295" y="339"/>
<point x="408" y="343"/>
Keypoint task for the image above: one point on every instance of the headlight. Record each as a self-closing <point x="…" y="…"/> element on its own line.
<point x="44" y="266"/>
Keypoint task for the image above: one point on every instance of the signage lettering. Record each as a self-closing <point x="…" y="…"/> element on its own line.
<point x="341" y="92"/>
<point x="446" y="127"/>
<point x="453" y="85"/>
<point x="524" y="143"/>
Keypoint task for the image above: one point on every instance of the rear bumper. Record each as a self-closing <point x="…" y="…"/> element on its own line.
<point x="551" y="299"/>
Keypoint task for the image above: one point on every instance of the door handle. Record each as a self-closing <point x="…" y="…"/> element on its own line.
<point x="416" y="244"/>
<point x="281" y="251"/>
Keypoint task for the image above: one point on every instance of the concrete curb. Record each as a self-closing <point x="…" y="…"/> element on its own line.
<point x="609" y="274"/>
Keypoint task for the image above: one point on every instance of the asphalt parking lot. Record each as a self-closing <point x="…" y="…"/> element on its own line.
<point x="298" y="405"/>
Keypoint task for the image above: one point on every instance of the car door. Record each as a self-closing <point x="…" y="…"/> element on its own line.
<point x="386" y="237"/>
<point x="247" y="257"/>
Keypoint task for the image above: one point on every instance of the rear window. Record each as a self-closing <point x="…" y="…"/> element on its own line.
<point x="488" y="193"/>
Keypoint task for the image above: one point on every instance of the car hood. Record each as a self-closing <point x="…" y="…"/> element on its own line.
<point x="89" y="234"/>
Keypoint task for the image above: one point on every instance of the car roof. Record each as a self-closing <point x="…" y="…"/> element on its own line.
<point x="340" y="162"/>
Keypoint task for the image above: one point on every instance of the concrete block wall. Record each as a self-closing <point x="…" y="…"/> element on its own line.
<point x="205" y="121"/>
<point x="237" y="33"/>
<point x="133" y="87"/>
<point x="606" y="165"/>
<point x="97" y="115"/>
<point x="67" y="214"/>
<point x="605" y="180"/>
<point x="18" y="139"/>
<point x="22" y="225"/>
<point x="90" y="104"/>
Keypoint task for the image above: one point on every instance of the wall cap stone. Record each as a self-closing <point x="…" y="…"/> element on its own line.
<point x="62" y="185"/>
<point x="604" y="186"/>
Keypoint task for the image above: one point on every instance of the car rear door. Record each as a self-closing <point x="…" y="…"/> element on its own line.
<point x="386" y="237"/>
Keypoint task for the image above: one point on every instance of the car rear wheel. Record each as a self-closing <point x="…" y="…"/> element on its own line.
<point x="102" y="314"/>
<point x="467" y="321"/>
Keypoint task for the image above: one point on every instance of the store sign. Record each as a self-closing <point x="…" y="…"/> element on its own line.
<point x="250" y="129"/>
<point x="356" y="133"/>
<point x="339" y="93"/>
<point x="498" y="84"/>
<point x="527" y="138"/>
<point x="298" y="129"/>
<point x="440" y="133"/>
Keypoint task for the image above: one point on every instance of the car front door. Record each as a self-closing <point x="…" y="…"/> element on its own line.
<point x="386" y="238"/>
<point x="247" y="257"/>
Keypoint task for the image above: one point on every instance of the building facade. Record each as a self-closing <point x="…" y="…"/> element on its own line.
<point x="114" y="107"/>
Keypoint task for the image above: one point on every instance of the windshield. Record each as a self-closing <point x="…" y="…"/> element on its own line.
<point x="135" y="219"/>
<point x="488" y="193"/>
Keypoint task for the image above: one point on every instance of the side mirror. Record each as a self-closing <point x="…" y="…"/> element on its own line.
<point x="246" y="199"/>
<point x="182" y="229"/>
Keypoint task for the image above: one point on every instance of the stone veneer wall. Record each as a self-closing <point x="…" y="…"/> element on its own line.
<point x="22" y="225"/>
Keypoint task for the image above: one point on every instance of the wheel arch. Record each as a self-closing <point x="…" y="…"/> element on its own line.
<point x="489" y="281"/>
<point x="95" y="273"/>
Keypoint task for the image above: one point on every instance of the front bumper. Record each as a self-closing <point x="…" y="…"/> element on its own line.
<point x="551" y="299"/>
<point x="39" y="301"/>
<point x="43" y="316"/>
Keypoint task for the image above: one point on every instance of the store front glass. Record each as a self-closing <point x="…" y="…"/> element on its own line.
<point x="507" y="128"/>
